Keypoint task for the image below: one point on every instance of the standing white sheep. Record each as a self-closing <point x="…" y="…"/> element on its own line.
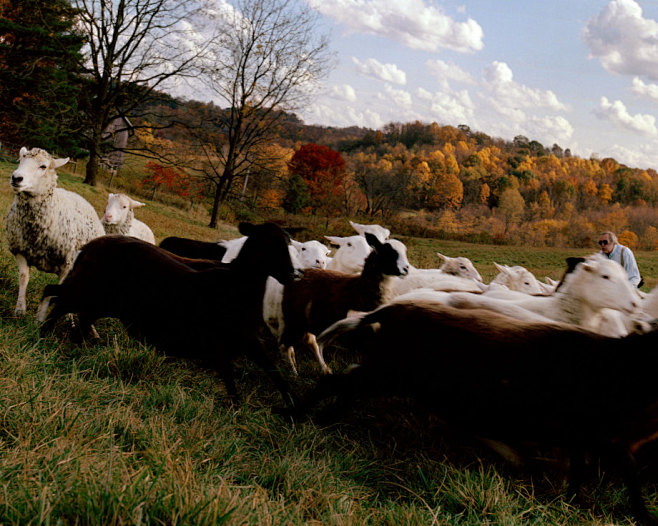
<point x="119" y="218"/>
<point x="46" y="225"/>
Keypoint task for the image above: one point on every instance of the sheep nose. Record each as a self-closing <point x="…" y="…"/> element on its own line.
<point x="15" y="179"/>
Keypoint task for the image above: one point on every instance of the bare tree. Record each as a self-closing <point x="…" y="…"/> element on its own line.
<point x="133" y="48"/>
<point x="268" y="60"/>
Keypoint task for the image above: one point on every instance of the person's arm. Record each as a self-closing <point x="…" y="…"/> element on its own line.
<point x="630" y="265"/>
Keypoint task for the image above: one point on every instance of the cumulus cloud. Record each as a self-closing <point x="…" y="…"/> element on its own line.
<point x="449" y="107"/>
<point x="327" y="114"/>
<point x="649" y="91"/>
<point x="445" y="72"/>
<point x="623" y="40"/>
<point x="375" y="69"/>
<point x="398" y="97"/>
<point x="412" y="23"/>
<point x="617" y="113"/>
<point x="343" y="92"/>
<point x="499" y="81"/>
<point x="550" y="129"/>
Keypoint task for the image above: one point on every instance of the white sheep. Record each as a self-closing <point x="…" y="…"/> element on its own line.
<point x="381" y="232"/>
<point x="119" y="218"/>
<point x="46" y="225"/>
<point x="351" y="253"/>
<point x="517" y="278"/>
<point x="595" y="285"/>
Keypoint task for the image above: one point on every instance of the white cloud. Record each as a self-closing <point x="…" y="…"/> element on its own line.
<point x="445" y="72"/>
<point x="386" y="72"/>
<point x="617" y="113"/>
<point x="550" y="130"/>
<point x="327" y="114"/>
<point x="649" y="91"/>
<point x="624" y="41"/>
<point x="412" y="23"/>
<point x="643" y="156"/>
<point x="448" y="107"/>
<point x="400" y="98"/>
<point x="499" y="81"/>
<point x="343" y="92"/>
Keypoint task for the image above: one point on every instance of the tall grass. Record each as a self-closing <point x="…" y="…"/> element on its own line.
<point x="111" y="432"/>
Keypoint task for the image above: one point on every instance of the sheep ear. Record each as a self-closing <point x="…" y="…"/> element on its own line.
<point x="335" y="241"/>
<point x="60" y="162"/>
<point x="373" y="240"/>
<point x="135" y="204"/>
<point x="587" y="266"/>
<point x="501" y="268"/>
<point x="22" y="153"/>
<point x="441" y="256"/>
<point x="295" y="244"/>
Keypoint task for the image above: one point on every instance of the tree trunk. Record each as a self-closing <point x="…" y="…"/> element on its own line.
<point x="92" y="168"/>
<point x="215" y="207"/>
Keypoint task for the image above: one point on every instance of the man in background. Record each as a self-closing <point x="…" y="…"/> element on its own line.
<point x="611" y="248"/>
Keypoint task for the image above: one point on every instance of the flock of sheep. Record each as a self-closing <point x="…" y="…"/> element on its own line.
<point x="567" y="363"/>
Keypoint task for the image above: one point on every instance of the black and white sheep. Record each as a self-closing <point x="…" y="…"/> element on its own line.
<point x="46" y="225"/>
<point x="296" y="312"/>
<point x="189" y="308"/>
<point x="507" y="380"/>
<point x="119" y="218"/>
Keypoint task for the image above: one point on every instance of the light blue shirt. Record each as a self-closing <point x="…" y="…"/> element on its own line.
<point x="630" y="266"/>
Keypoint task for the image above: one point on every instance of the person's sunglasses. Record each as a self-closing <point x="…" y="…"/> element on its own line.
<point x="603" y="242"/>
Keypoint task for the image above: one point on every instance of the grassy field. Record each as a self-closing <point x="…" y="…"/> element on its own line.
<point x="113" y="433"/>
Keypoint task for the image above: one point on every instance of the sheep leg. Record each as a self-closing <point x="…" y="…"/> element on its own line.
<point x="632" y="481"/>
<point x="23" y="278"/>
<point x="290" y="352"/>
<point x="310" y="340"/>
<point x="256" y="351"/>
<point x="228" y="377"/>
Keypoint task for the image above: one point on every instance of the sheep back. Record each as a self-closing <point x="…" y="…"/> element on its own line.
<point x="49" y="231"/>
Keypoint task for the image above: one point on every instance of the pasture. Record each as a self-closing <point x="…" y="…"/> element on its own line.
<point x="114" y="433"/>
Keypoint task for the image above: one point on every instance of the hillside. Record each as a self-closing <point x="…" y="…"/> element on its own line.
<point x="110" y="432"/>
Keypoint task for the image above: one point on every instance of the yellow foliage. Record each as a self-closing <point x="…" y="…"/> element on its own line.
<point x="629" y="239"/>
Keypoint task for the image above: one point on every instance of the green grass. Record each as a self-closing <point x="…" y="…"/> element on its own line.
<point x="114" y="433"/>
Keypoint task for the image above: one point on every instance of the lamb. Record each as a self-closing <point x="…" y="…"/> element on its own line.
<point x="119" y="218"/>
<point x="312" y="254"/>
<point x="46" y="225"/>
<point x="459" y="266"/>
<point x="309" y="305"/>
<point x="507" y="380"/>
<point x="183" y="308"/>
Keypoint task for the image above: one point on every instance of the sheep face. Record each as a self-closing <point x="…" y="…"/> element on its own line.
<point x="460" y="266"/>
<point x="517" y="278"/>
<point x="351" y="253"/>
<point x="603" y="283"/>
<point x="118" y="208"/>
<point x="392" y="255"/>
<point x="312" y="254"/>
<point x="35" y="174"/>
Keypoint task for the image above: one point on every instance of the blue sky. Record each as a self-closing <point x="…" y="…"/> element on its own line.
<point x="582" y="74"/>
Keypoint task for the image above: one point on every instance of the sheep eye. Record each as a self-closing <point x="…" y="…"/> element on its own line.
<point x="125" y="207"/>
<point x="463" y="267"/>
<point x="349" y="244"/>
<point x="43" y="167"/>
<point x="606" y="277"/>
<point x="526" y="283"/>
<point x="303" y="248"/>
